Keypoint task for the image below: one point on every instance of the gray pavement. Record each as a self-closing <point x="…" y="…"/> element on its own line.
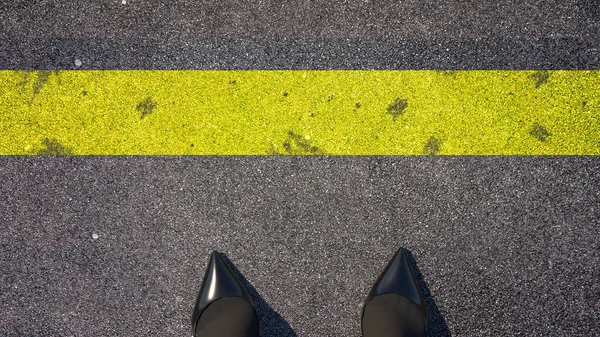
<point x="117" y="246"/>
<point x="302" y="53"/>
<point x="300" y="34"/>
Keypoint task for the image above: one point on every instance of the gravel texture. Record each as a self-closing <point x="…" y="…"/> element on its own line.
<point x="117" y="246"/>
<point x="300" y="34"/>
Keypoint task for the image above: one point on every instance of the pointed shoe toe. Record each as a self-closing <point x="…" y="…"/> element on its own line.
<point x="223" y="303"/>
<point x="395" y="305"/>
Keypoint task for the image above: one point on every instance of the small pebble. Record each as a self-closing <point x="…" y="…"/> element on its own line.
<point x="124" y="2"/>
<point x="95" y="236"/>
<point x="78" y="63"/>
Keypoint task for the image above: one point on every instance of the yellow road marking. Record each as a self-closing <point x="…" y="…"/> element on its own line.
<point x="196" y="112"/>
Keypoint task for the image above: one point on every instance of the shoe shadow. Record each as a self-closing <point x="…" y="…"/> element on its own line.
<point x="437" y="324"/>
<point x="270" y="322"/>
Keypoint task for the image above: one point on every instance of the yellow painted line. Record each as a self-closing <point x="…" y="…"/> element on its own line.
<point x="300" y="112"/>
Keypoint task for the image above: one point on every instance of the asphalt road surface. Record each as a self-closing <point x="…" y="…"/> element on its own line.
<point x="117" y="246"/>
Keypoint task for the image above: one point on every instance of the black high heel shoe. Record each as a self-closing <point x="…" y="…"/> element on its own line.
<point x="223" y="307"/>
<point x="395" y="306"/>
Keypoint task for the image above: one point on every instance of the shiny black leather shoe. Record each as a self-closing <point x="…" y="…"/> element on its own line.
<point x="224" y="307"/>
<point x="395" y="306"/>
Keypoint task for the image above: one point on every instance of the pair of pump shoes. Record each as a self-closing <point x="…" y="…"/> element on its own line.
<point x="394" y="307"/>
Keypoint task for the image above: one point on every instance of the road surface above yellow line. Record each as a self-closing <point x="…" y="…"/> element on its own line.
<point x="197" y="112"/>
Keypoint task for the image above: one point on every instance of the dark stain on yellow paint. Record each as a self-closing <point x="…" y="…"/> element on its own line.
<point x="25" y="76"/>
<point x="330" y="98"/>
<point x="285" y="94"/>
<point x="39" y="78"/>
<point x="357" y="105"/>
<point x="432" y="147"/>
<point x="53" y="147"/>
<point x="303" y="144"/>
<point x="296" y="144"/>
<point x="540" y="77"/>
<point x="397" y="107"/>
<point x="287" y="146"/>
<point x="146" y="107"/>
<point x="539" y="132"/>
<point x="449" y="73"/>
